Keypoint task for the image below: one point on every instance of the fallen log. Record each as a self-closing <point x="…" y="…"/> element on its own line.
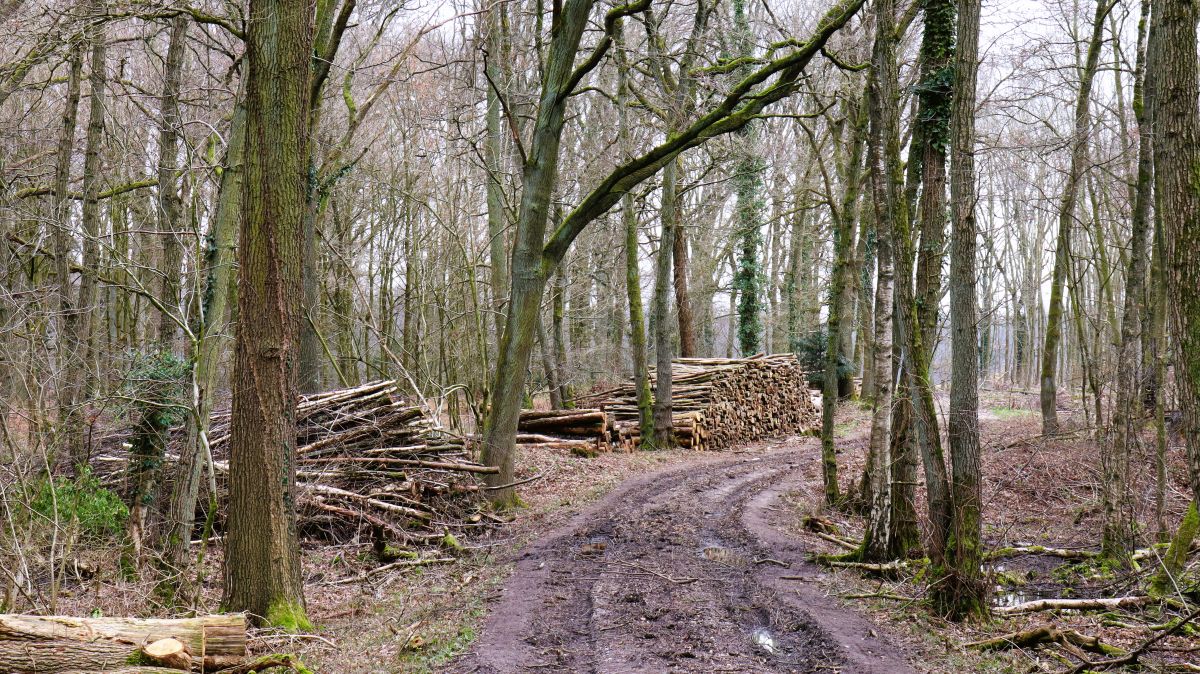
<point x="1064" y="553"/>
<point x="1046" y="634"/>
<point x="55" y="644"/>
<point x="1103" y="603"/>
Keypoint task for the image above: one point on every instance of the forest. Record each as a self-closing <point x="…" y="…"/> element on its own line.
<point x="499" y="336"/>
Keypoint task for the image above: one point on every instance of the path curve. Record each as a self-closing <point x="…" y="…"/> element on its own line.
<point x="668" y="574"/>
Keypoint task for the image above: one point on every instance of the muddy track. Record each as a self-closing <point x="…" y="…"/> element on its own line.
<point x="678" y="571"/>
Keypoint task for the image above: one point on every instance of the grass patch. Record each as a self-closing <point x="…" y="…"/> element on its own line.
<point x="1011" y="413"/>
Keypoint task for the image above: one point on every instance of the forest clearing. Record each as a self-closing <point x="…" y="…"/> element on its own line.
<point x="492" y="336"/>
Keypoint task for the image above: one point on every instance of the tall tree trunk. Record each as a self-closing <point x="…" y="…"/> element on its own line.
<point x="664" y="435"/>
<point x="960" y="591"/>
<point x="208" y="346"/>
<point x="548" y="365"/>
<point x="560" y="345"/>
<point x="82" y="320"/>
<point x="919" y="325"/>
<point x="683" y="301"/>
<point x="840" y="323"/>
<point x="529" y="274"/>
<point x="883" y="160"/>
<point x="1172" y="52"/>
<point x="169" y="206"/>
<point x="496" y="215"/>
<point x="69" y="396"/>
<point x="262" y="564"/>
<point x="1118" y="533"/>
<point x="1066" y="216"/>
<point x="747" y="179"/>
<point x="633" y="276"/>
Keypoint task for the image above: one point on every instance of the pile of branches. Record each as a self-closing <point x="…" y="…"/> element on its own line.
<point x="366" y="457"/>
<point x="718" y="402"/>
<point x="582" y="431"/>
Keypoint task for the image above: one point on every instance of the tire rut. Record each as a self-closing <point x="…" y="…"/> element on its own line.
<point x="670" y="573"/>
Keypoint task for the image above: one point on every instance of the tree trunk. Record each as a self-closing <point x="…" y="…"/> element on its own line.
<point x="262" y="566"/>
<point x="747" y="180"/>
<point x="207" y="347"/>
<point x="840" y="324"/>
<point x="168" y="185"/>
<point x="1172" y="52"/>
<point x="70" y="418"/>
<point x="960" y="591"/>
<point x="664" y="435"/>
<point x="883" y="160"/>
<point x="529" y="274"/>
<point x="934" y="111"/>
<point x="1118" y="533"/>
<point x="633" y="276"/>
<point x="1066" y="216"/>
<point x="683" y="301"/>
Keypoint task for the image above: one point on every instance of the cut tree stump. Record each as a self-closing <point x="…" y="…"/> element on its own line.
<point x="56" y="644"/>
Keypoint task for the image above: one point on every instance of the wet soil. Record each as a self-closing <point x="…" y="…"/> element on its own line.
<point x="683" y="570"/>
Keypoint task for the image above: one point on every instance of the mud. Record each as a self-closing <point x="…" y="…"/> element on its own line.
<point x="685" y="570"/>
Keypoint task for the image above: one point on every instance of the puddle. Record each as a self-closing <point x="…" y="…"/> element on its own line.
<point x="763" y="639"/>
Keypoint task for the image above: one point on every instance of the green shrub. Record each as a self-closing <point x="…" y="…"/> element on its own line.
<point x="810" y="351"/>
<point x="100" y="512"/>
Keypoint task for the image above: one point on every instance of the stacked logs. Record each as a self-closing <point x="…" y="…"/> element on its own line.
<point x="584" y="432"/>
<point x="365" y="456"/>
<point x="717" y="402"/>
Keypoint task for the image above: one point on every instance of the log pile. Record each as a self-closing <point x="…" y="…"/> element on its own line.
<point x="718" y="402"/>
<point x="584" y="432"/>
<point x="367" y="458"/>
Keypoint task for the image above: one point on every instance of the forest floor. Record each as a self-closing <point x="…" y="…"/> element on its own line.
<point x="698" y="562"/>
<point x="684" y="561"/>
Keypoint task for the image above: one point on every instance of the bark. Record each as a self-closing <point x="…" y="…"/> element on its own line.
<point x="1172" y="51"/>
<point x="959" y="591"/>
<point x="496" y="215"/>
<point x="664" y="436"/>
<point x="683" y="302"/>
<point x="1066" y="216"/>
<point x="262" y="567"/>
<point x="838" y="324"/>
<point x="633" y="278"/>
<point x="883" y="160"/>
<point x="62" y="643"/>
<point x="1118" y="533"/>
<point x="935" y="98"/>
<point x="70" y="417"/>
<point x="747" y="180"/>
<point x="549" y="367"/>
<point x="169" y="205"/>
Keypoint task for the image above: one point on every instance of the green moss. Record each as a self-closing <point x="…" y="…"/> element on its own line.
<point x="1163" y="582"/>
<point x="449" y="541"/>
<point x="289" y="616"/>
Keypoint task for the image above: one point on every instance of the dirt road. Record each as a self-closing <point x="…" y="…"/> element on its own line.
<point x="685" y="570"/>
